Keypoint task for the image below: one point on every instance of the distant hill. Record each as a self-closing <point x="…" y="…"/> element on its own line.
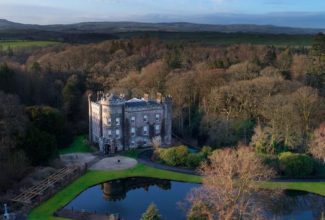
<point x="118" y="27"/>
<point x="5" y="24"/>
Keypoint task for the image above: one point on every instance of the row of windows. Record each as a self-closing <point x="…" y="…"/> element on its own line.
<point x="145" y="118"/>
<point x="117" y="133"/>
<point x="118" y="120"/>
<point x="145" y="131"/>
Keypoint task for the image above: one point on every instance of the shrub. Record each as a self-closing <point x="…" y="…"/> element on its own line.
<point x="175" y="156"/>
<point x="206" y="151"/>
<point x="181" y="155"/>
<point x="194" y="160"/>
<point x="270" y="160"/>
<point x="319" y="168"/>
<point x="168" y="156"/>
<point x="296" y="165"/>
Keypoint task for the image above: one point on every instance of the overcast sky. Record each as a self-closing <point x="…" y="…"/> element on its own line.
<point x="304" y="13"/>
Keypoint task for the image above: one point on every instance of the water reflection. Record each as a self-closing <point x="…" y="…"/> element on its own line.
<point x="117" y="189"/>
<point x="291" y="204"/>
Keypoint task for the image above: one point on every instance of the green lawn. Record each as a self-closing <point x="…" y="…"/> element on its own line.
<point x="313" y="187"/>
<point x="133" y="153"/>
<point x="79" y="145"/>
<point x="45" y="210"/>
<point x="24" y="43"/>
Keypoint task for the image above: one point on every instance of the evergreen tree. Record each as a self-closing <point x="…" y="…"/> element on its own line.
<point x="152" y="213"/>
<point x="72" y="96"/>
<point x="39" y="146"/>
<point x="50" y="120"/>
<point x="6" y="78"/>
<point x="318" y="47"/>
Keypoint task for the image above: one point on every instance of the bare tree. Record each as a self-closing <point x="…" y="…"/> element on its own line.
<point x="309" y="107"/>
<point x="317" y="145"/>
<point x="229" y="180"/>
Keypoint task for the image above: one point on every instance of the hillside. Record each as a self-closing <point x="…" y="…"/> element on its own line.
<point x="117" y="27"/>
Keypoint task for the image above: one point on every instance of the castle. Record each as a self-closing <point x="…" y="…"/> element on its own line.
<point x="117" y="124"/>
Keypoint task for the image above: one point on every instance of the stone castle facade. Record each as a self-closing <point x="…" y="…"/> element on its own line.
<point x="117" y="124"/>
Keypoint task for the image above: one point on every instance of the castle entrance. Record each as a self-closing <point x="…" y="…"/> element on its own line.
<point x="107" y="149"/>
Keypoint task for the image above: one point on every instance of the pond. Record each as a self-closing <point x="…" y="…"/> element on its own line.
<point x="131" y="196"/>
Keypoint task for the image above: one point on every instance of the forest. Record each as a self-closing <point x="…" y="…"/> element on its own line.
<point x="269" y="97"/>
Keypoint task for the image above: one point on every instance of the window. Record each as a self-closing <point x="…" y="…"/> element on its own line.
<point x="117" y="120"/>
<point x="109" y="133"/>
<point x="157" y="117"/>
<point x="133" y="119"/>
<point x="109" y="121"/>
<point x="157" y="129"/>
<point x="117" y="134"/>
<point x="132" y="132"/>
<point x="145" y="130"/>
<point x="145" y="118"/>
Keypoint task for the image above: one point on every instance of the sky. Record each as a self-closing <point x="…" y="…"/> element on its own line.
<point x="304" y="13"/>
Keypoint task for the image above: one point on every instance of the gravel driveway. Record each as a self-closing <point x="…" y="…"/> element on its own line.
<point x="114" y="163"/>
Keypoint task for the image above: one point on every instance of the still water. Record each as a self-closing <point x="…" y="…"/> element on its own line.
<point x="130" y="197"/>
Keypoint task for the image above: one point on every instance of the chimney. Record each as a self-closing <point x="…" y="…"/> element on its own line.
<point x="146" y="97"/>
<point x="159" y="96"/>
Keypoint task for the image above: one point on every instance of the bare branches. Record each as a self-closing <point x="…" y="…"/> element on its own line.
<point x="229" y="180"/>
<point x="317" y="145"/>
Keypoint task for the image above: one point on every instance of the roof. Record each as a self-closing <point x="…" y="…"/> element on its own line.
<point x="141" y="103"/>
<point x="134" y="100"/>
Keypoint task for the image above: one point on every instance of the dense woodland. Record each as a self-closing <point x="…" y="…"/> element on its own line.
<point x="269" y="97"/>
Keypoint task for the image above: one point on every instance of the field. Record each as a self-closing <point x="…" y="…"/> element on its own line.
<point x="200" y="38"/>
<point x="215" y="38"/>
<point x="4" y="44"/>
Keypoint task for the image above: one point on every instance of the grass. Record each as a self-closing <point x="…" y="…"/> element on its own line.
<point x="313" y="187"/>
<point x="4" y="44"/>
<point x="133" y="153"/>
<point x="59" y="200"/>
<point x="79" y="145"/>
